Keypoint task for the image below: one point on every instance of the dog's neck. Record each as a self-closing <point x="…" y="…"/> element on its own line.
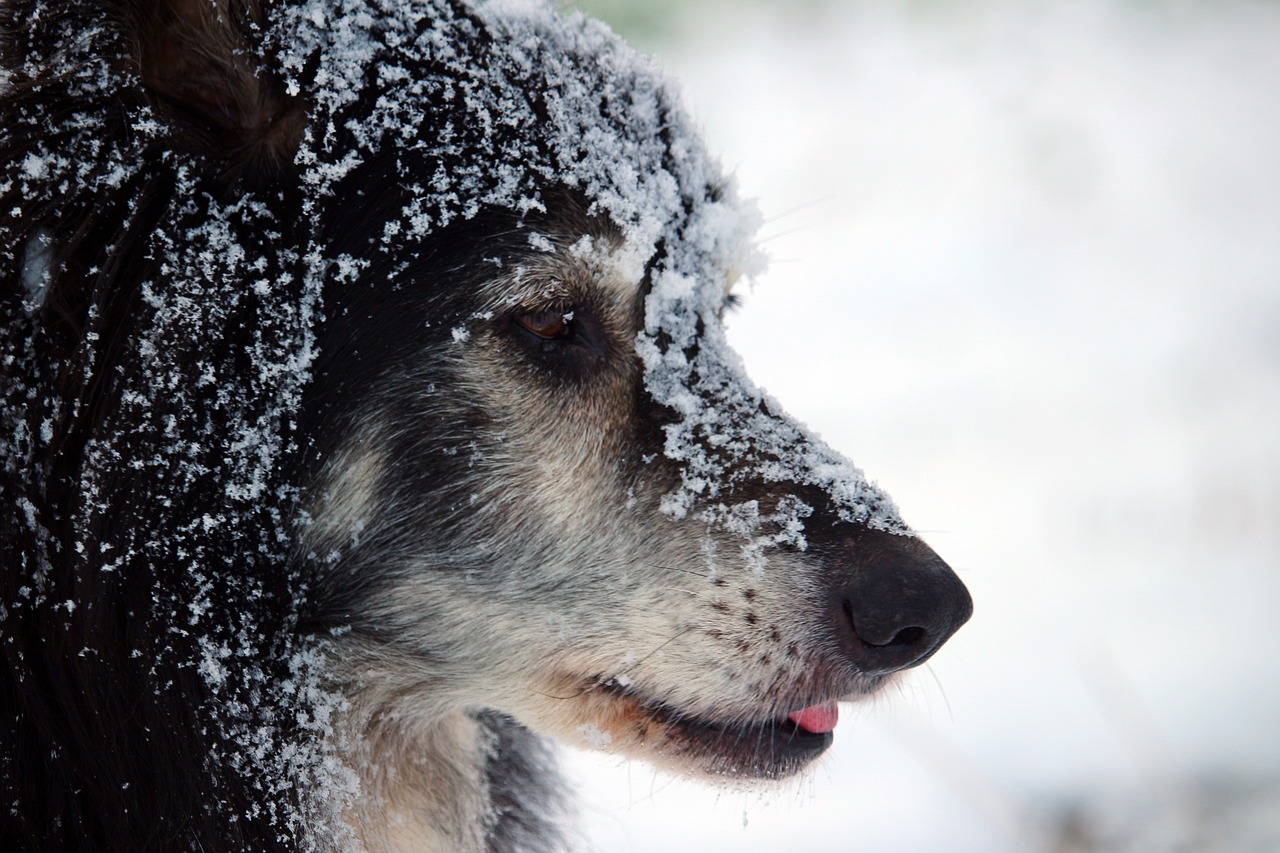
<point x="434" y="779"/>
<point x="422" y="788"/>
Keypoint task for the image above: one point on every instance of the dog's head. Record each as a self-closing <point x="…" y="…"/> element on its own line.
<point x="411" y="312"/>
<point x="548" y="488"/>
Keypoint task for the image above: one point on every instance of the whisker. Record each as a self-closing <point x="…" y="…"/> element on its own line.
<point x="676" y="569"/>
<point x="804" y="205"/>
<point x="942" y="690"/>
<point x="553" y="696"/>
<point x="640" y="662"/>
<point x="779" y="234"/>
<point x="690" y="592"/>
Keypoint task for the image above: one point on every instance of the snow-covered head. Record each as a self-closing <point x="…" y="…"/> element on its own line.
<point x="562" y="439"/>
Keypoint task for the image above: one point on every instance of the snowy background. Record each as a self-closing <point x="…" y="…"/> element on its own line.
<point x="1026" y="273"/>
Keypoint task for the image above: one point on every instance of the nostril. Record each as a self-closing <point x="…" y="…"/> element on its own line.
<point x="882" y="633"/>
<point x="907" y="637"/>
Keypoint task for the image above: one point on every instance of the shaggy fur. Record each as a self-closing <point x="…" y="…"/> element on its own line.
<point x="301" y="560"/>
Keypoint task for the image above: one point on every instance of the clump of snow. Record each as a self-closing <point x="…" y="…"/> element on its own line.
<point x="594" y="737"/>
<point x="729" y="432"/>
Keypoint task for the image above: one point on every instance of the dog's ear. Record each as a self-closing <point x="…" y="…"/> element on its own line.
<point x="200" y="64"/>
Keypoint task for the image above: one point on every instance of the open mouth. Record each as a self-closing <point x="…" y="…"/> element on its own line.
<point x="771" y="749"/>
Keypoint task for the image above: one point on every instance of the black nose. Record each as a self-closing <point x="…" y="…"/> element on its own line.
<point x="899" y="603"/>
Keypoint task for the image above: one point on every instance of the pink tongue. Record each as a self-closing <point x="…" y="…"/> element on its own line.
<point x="818" y="719"/>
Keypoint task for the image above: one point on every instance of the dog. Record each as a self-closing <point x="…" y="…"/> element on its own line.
<point x="368" y="421"/>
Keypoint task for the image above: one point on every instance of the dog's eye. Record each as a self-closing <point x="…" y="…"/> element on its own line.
<point x="548" y="325"/>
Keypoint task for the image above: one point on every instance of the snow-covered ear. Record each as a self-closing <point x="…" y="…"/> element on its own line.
<point x="200" y="65"/>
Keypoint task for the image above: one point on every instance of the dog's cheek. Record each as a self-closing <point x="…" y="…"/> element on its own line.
<point x="558" y="445"/>
<point x="345" y="503"/>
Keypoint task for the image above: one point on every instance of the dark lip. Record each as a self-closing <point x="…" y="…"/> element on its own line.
<point x="771" y="749"/>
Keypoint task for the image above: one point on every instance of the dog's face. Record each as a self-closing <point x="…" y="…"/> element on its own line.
<point x="545" y="487"/>
<point x="533" y="526"/>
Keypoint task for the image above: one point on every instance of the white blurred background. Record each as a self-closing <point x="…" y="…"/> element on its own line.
<point x="1026" y="274"/>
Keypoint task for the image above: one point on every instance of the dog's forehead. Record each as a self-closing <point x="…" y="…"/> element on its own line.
<point x="502" y="105"/>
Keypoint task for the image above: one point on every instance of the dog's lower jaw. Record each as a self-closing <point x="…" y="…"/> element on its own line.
<point x="425" y="791"/>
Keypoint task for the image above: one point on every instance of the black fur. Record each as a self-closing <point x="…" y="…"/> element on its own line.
<point x="110" y="737"/>
<point x="108" y="740"/>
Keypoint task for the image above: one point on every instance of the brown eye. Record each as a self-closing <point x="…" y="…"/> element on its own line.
<point x="546" y="324"/>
